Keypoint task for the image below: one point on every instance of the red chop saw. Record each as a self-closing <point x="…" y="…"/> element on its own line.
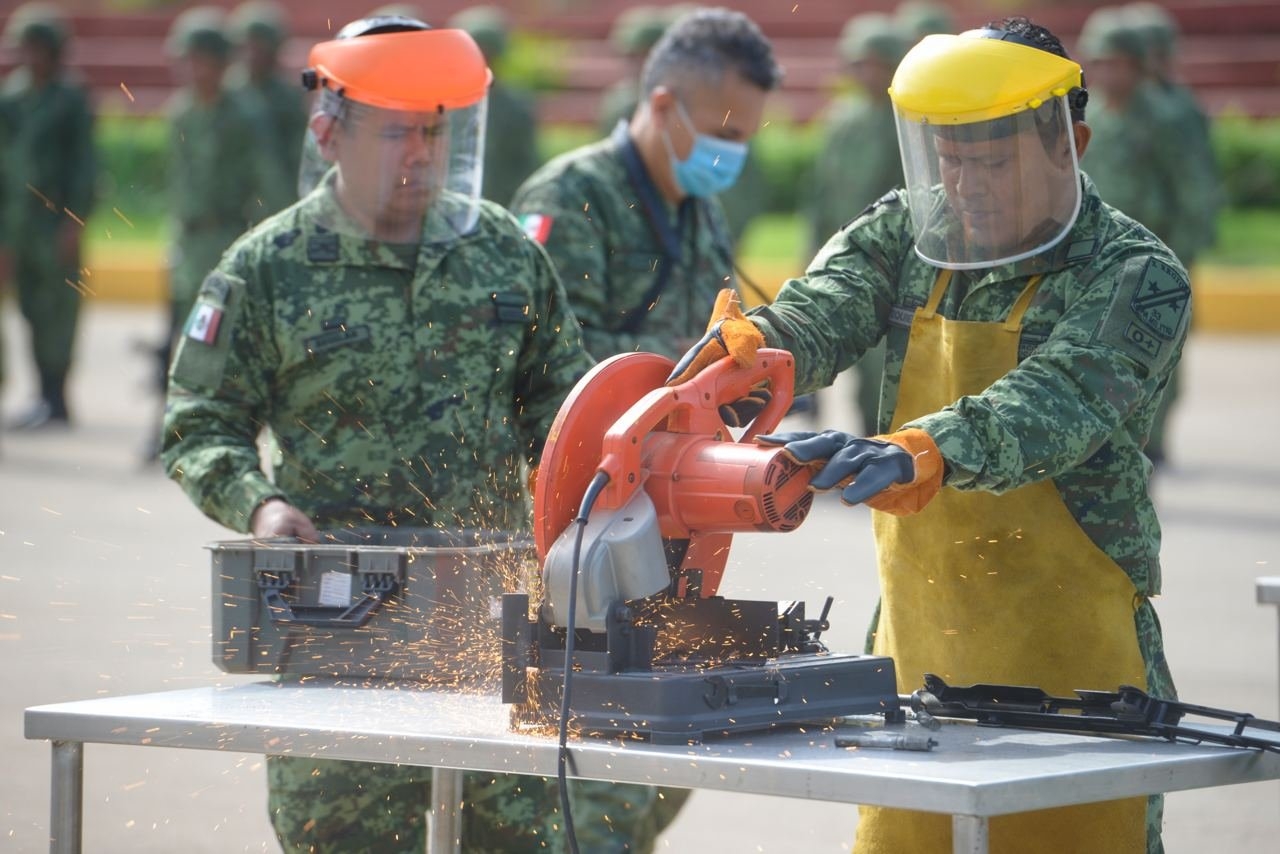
<point x="657" y="651"/>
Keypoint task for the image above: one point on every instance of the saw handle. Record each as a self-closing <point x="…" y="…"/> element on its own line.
<point x="693" y="407"/>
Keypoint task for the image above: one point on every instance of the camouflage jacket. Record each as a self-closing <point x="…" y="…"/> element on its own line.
<point x="590" y="216"/>
<point x="510" y="142"/>
<point x="279" y="105"/>
<point x="49" y="165"/>
<point x="859" y="162"/>
<point x="1140" y="166"/>
<point x="222" y="175"/>
<point x="1098" y="345"/>
<point x="403" y="385"/>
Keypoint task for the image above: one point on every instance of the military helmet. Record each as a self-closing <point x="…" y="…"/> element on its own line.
<point x="637" y="29"/>
<point x="873" y="35"/>
<point x="1109" y="32"/>
<point x="1154" y="25"/>
<point x="36" y="22"/>
<point x="260" y="20"/>
<point x="487" y="25"/>
<point x="200" y="29"/>
<point x="920" y="18"/>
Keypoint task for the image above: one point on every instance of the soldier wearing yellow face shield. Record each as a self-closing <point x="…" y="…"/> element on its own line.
<point x="1030" y="329"/>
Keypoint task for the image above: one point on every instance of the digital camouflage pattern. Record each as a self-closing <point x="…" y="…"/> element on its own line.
<point x="510" y="142"/>
<point x="221" y="180"/>
<point x="404" y="386"/>
<point x="47" y="177"/>
<point x="1098" y="344"/>
<point x="601" y="242"/>
<point x="858" y="163"/>
<point x="324" y="805"/>
<point x="1154" y="160"/>
<point x="279" y="111"/>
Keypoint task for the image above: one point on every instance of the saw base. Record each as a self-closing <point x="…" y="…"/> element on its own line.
<point x="683" y="704"/>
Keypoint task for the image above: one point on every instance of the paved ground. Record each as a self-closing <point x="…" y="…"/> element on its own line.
<point x="104" y="590"/>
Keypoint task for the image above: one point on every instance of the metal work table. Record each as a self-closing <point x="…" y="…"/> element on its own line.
<point x="974" y="772"/>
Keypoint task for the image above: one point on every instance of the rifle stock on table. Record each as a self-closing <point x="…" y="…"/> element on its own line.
<point x="1126" y="711"/>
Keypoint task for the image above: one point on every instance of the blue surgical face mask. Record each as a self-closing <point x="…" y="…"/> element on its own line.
<point x="713" y="164"/>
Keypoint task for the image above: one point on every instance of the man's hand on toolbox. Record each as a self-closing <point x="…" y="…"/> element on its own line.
<point x="276" y="517"/>
<point x="729" y="333"/>
<point x="898" y="473"/>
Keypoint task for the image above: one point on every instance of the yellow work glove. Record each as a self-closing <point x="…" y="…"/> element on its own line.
<point x="898" y="473"/>
<point x="729" y="333"/>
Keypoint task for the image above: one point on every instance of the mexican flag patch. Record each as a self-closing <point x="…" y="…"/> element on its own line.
<point x="203" y="323"/>
<point x="537" y="226"/>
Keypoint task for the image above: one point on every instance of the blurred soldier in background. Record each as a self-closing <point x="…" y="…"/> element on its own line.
<point x="1148" y="158"/>
<point x="259" y="30"/>
<point x="920" y="18"/>
<point x="511" y="135"/>
<point x="1199" y="221"/>
<point x="634" y="33"/>
<point x="222" y="173"/>
<point x="48" y="174"/>
<point x="859" y="160"/>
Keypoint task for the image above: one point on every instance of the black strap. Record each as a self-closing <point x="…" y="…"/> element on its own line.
<point x="655" y="215"/>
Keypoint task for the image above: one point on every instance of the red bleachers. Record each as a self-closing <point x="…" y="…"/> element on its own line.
<point x="1229" y="53"/>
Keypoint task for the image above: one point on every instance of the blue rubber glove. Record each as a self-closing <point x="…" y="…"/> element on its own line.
<point x="863" y="467"/>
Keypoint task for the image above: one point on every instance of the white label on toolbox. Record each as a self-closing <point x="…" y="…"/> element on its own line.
<point x="335" y="589"/>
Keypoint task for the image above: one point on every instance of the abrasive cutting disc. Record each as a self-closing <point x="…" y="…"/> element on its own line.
<point x="572" y="453"/>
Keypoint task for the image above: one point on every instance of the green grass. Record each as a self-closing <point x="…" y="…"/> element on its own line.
<point x="1246" y="238"/>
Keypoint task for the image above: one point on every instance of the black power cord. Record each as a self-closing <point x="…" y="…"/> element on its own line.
<point x="562" y="760"/>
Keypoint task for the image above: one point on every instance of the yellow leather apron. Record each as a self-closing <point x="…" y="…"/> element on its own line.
<point x="1002" y="589"/>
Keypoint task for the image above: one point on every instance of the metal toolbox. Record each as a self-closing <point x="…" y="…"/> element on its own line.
<point x="393" y="603"/>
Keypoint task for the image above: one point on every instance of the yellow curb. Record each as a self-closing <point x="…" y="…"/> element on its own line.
<point x="1227" y="299"/>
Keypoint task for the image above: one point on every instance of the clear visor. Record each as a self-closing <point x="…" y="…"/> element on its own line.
<point x="991" y="192"/>
<point x="398" y="177"/>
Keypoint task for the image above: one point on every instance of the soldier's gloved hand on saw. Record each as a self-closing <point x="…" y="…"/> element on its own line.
<point x="729" y="333"/>
<point x="898" y="473"/>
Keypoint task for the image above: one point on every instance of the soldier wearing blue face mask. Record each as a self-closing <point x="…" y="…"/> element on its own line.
<point x="631" y="222"/>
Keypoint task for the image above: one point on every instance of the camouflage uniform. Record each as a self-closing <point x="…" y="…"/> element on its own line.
<point x="219" y="184"/>
<point x="635" y="31"/>
<point x="858" y="163"/>
<point x="276" y="99"/>
<point x="511" y="124"/>
<point x="48" y="183"/>
<point x="592" y="219"/>
<point x="438" y="389"/>
<point x="1099" y="343"/>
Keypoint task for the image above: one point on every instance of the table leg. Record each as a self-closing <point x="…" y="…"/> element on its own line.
<point x="968" y="834"/>
<point x="66" y="797"/>
<point x="446" y="811"/>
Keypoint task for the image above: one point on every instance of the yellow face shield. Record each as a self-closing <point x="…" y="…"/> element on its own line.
<point x="988" y="150"/>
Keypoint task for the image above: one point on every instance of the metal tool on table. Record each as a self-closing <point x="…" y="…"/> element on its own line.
<point x="640" y="490"/>
<point x="1126" y="711"/>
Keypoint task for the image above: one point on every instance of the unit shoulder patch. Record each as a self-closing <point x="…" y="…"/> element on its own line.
<point x="1162" y="299"/>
